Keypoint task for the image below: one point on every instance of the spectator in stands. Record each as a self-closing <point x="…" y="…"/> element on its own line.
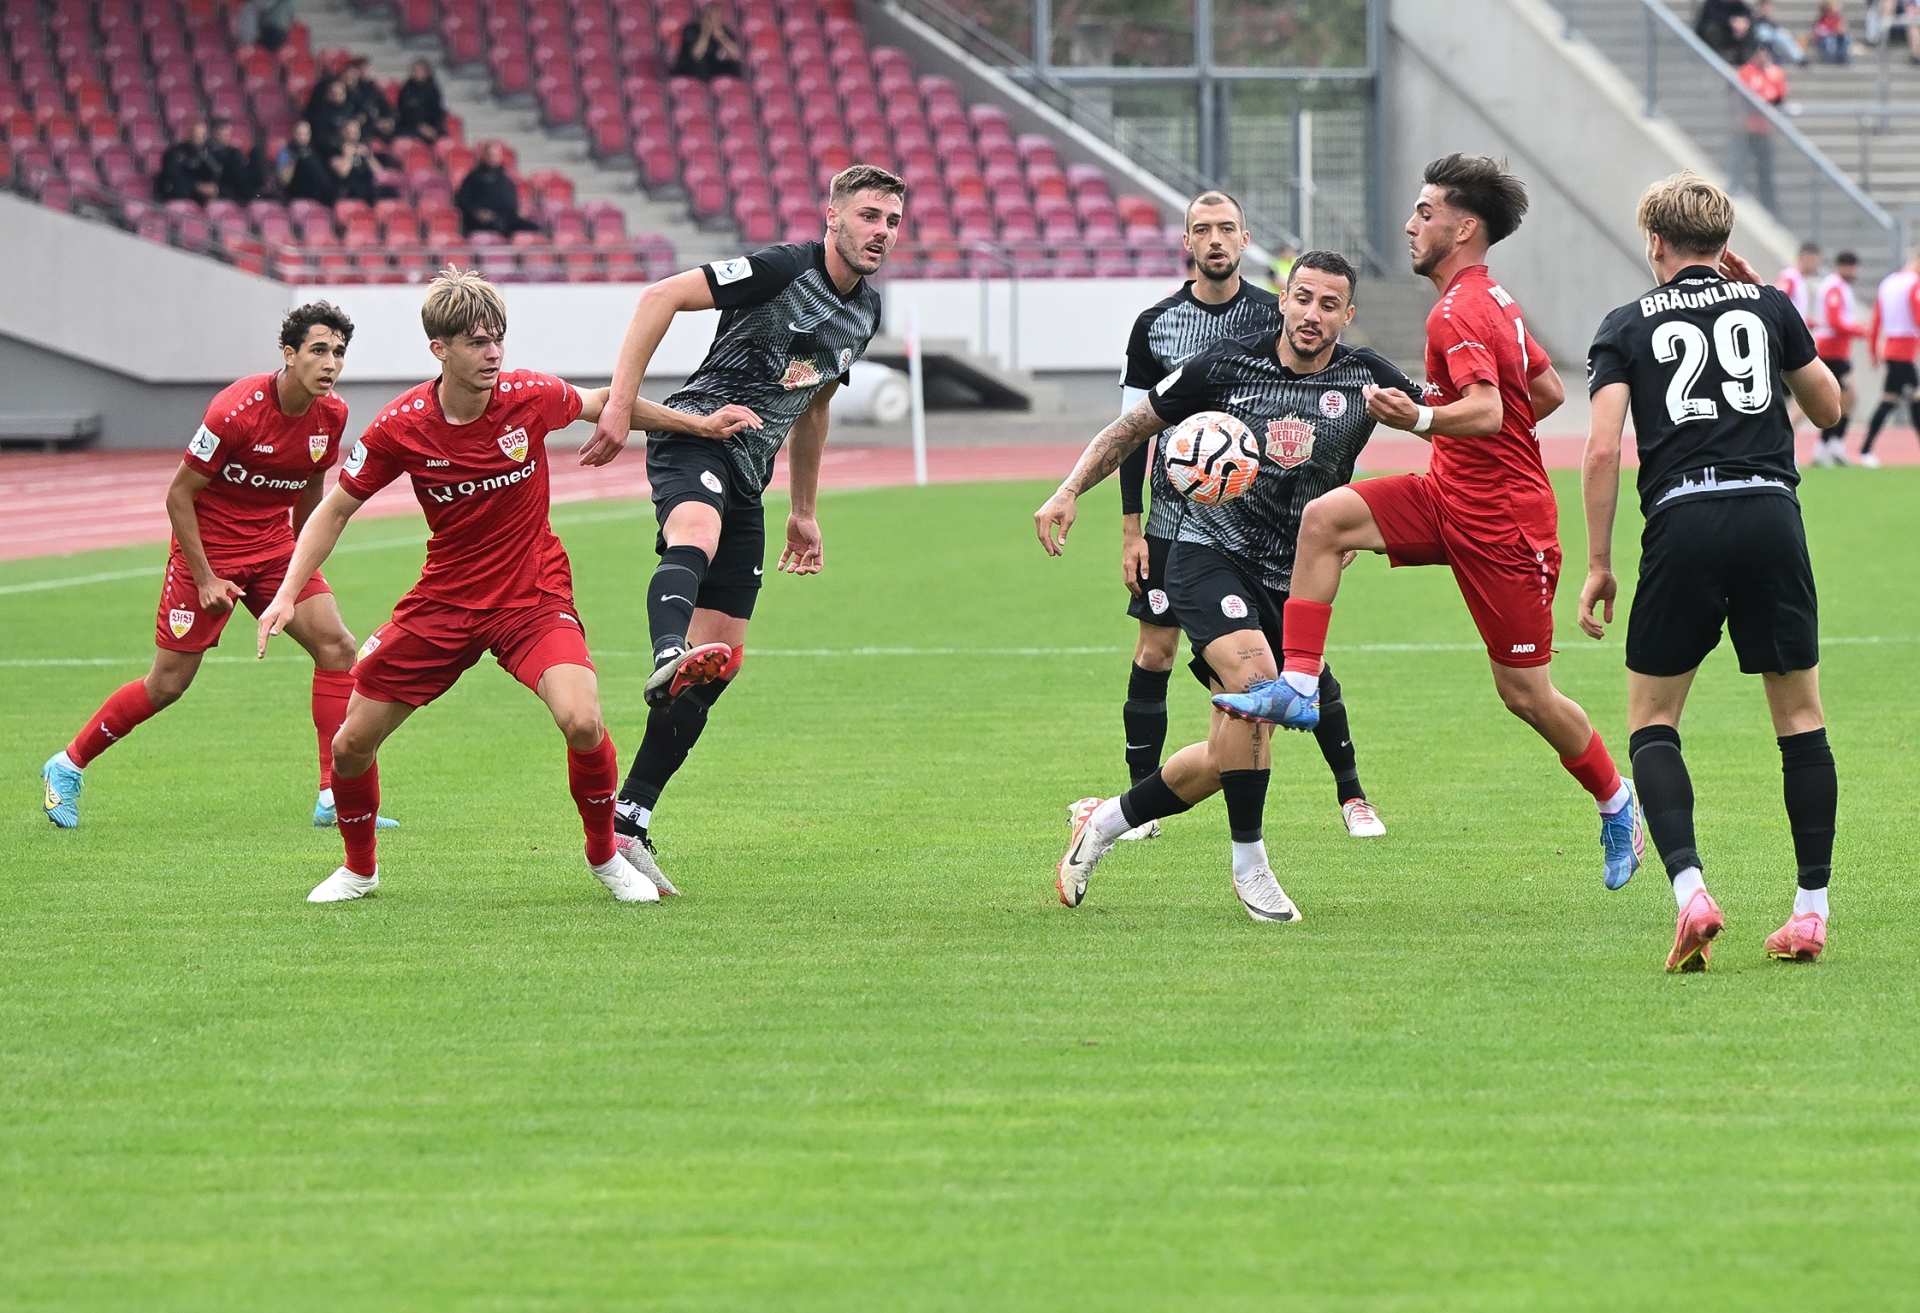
<point x="238" y="181"/>
<point x="1830" y="34"/>
<point x="329" y="112"/>
<point x="1727" y="26"/>
<point x="188" y="171"/>
<point x="422" y="111"/>
<point x="1892" y="16"/>
<point x="1767" y="80"/>
<point x="304" y="173"/>
<point x="352" y="167"/>
<point x="708" y="48"/>
<point x="276" y="23"/>
<point x="488" y="199"/>
<point x="246" y="24"/>
<point x="1785" y="45"/>
<point x="367" y="101"/>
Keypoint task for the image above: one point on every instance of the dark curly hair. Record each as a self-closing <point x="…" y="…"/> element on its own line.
<point x="1481" y="185"/>
<point x="324" y="314"/>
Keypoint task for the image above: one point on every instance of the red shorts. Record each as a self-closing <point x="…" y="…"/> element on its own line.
<point x="1507" y="579"/>
<point x="182" y="626"/>
<point x="418" y="656"/>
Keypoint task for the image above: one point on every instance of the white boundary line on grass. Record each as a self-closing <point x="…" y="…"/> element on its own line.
<point x="831" y="652"/>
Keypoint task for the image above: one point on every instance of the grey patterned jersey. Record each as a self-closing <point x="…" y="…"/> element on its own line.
<point x="1165" y="336"/>
<point x="1311" y="428"/>
<point x="785" y="332"/>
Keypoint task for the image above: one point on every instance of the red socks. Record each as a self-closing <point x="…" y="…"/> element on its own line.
<point x="1303" y="636"/>
<point x="594" y="778"/>
<point x="331" y="689"/>
<point x="1593" y="768"/>
<point x="356" y="802"/>
<point x="128" y="706"/>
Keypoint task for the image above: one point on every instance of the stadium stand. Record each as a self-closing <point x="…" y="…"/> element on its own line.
<point x="91" y="94"/>
<point x="755" y="153"/>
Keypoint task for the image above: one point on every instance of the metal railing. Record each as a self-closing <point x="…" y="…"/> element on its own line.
<point x="1766" y="158"/>
<point x="1096" y="119"/>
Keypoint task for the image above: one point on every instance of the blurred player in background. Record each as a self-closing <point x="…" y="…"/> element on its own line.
<point x="1485" y="507"/>
<point x="1836" y="324"/>
<point x="473" y="442"/>
<point x="1216" y="304"/>
<point x="1704" y="364"/>
<point x="1229" y="569"/>
<point x="1894" y="336"/>
<point x="793" y="320"/>
<point x="1796" y="280"/>
<point x="262" y="451"/>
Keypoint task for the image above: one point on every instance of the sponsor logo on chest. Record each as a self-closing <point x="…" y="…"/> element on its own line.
<point x="513" y="444"/>
<point x="1290" y="440"/>
<point x="800" y="374"/>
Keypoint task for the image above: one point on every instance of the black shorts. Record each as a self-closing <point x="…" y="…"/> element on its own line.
<point x="1901" y="379"/>
<point x="1741" y="560"/>
<point x="1206" y="585"/>
<point x="683" y="469"/>
<point x="1840" y="368"/>
<point x="1153" y="606"/>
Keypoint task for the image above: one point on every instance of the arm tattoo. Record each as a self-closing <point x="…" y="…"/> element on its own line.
<point x="1104" y="454"/>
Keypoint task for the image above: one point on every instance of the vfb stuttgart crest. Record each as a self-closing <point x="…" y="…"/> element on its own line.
<point x="514" y="444"/>
<point x="317" y="447"/>
<point x="1289" y="441"/>
<point x="179" y="621"/>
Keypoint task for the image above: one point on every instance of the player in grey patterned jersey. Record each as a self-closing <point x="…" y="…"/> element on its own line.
<point x="1301" y="393"/>
<point x="793" y="320"/>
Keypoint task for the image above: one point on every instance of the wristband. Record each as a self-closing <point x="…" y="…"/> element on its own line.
<point x="1422" y="419"/>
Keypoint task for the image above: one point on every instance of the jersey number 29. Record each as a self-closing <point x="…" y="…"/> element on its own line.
<point x="1740" y="345"/>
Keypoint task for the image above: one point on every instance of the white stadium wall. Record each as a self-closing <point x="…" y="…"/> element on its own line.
<point x="96" y="321"/>
<point x="1497" y="77"/>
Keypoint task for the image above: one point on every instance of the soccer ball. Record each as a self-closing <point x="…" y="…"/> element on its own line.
<point x="1211" y="457"/>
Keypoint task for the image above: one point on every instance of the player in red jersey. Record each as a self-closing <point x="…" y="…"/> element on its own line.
<point x="496" y="578"/>
<point x="1835" y="325"/>
<point x="263" y="449"/>
<point x="1485" y="506"/>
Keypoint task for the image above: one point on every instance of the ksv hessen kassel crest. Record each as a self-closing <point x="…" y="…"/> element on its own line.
<point x="514" y="444"/>
<point x="1289" y="441"/>
<point x="317" y="447"/>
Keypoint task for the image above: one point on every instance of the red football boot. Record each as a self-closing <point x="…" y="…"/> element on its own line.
<point x="1800" y="939"/>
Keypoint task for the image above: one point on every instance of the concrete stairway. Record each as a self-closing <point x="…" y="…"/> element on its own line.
<point x="336" y="23"/>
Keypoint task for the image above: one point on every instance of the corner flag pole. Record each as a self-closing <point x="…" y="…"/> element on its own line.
<point x="916" y="385"/>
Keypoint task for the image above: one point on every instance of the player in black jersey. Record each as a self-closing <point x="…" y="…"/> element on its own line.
<point x="1700" y="362"/>
<point x="1231" y="565"/>
<point x="793" y="320"/>
<point x="1215" y="304"/>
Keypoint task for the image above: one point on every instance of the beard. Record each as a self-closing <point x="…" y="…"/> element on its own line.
<point x="1233" y="267"/>
<point x="1325" y="344"/>
<point x="858" y="258"/>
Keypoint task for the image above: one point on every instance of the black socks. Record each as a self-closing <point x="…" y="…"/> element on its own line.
<point x="1813" y="794"/>
<point x="670" y="596"/>
<point x="1246" y="795"/>
<point x="1145" y="717"/>
<point x="1336" y="739"/>
<point x="1880" y="414"/>
<point x="671" y="732"/>
<point x="1149" y="800"/>
<point x="1666" y="794"/>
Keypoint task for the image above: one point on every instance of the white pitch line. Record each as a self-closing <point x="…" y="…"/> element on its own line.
<point x="843" y="652"/>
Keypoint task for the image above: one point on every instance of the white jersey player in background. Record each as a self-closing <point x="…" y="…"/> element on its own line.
<point x="1894" y="337"/>
<point x="1836" y="322"/>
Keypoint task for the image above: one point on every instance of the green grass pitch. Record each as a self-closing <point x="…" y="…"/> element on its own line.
<point x="868" y="1061"/>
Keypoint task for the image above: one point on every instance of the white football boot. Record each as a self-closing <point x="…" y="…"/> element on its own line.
<point x="1363" y="822"/>
<point x="1151" y="830"/>
<point x="638" y="850"/>
<point x="1868" y="461"/>
<point x="1084" y="851"/>
<point x="1263" y="897"/>
<point x="623" y="882"/>
<point x="343" y="885"/>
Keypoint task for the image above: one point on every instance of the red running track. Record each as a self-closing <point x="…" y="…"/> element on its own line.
<point x="53" y="505"/>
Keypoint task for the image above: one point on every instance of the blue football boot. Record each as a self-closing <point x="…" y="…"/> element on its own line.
<point x="1623" y="840"/>
<point x="1273" y="702"/>
<point x="63" y="791"/>
<point x="324" y="818"/>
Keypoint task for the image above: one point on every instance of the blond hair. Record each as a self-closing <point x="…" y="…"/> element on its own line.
<point x="1687" y="212"/>
<point x="460" y="301"/>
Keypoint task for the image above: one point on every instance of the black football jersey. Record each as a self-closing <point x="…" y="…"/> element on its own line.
<point x="1311" y="428"/>
<point x="1702" y="358"/>
<point x="1165" y="336"/>
<point x="785" y="332"/>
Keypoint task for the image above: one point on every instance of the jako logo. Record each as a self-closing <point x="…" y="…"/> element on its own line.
<point x="1520" y="648"/>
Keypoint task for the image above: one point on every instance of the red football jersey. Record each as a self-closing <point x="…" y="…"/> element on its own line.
<point x="260" y="459"/>
<point x="1476" y="335"/>
<point x="483" y="486"/>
